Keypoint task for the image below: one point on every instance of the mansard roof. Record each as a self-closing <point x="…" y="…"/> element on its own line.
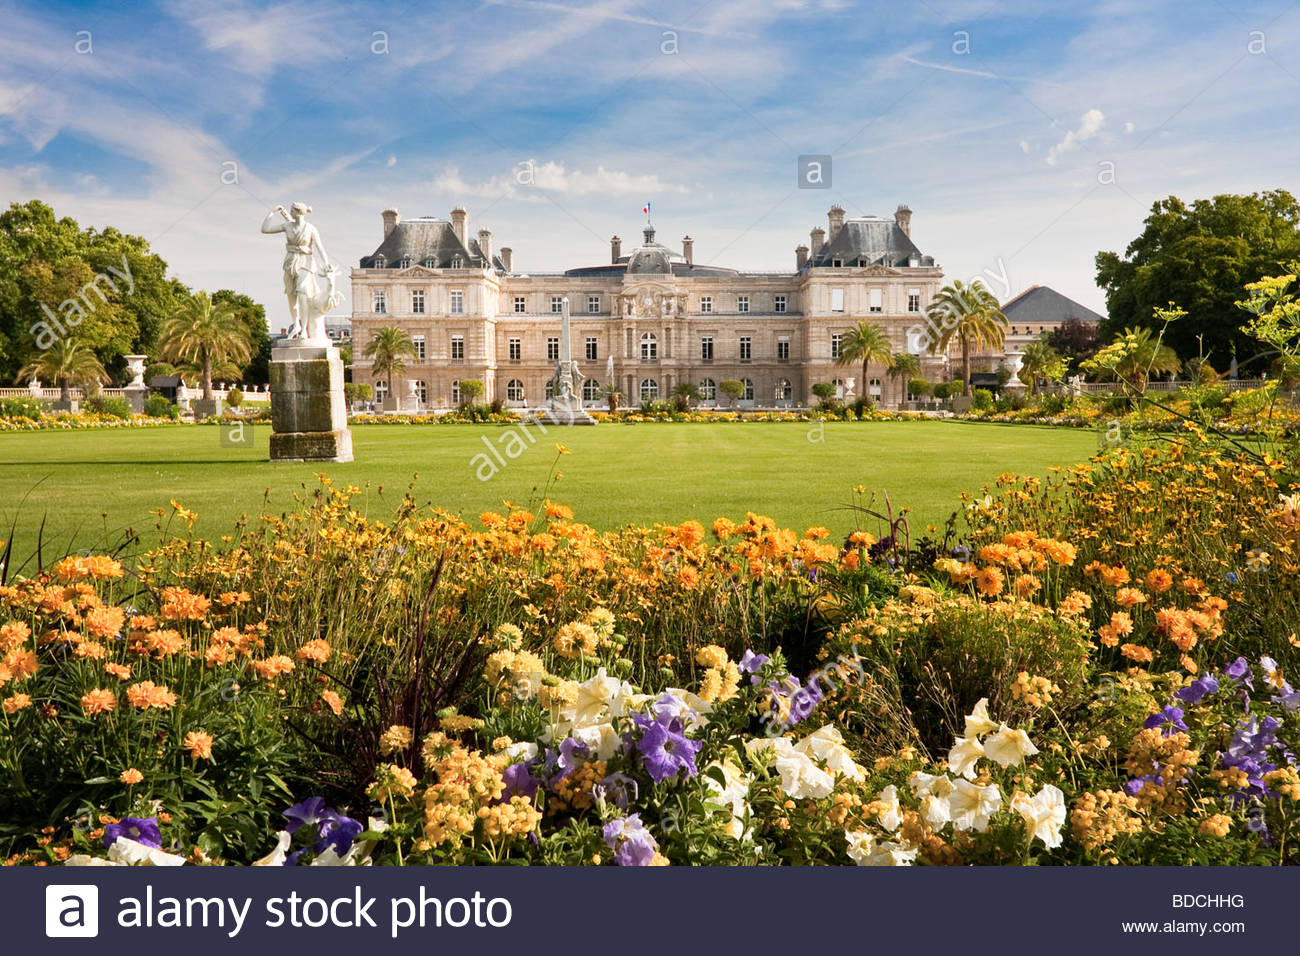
<point x="869" y="241"/>
<point x="651" y="258"/>
<point x="1040" y="304"/>
<point x="426" y="241"/>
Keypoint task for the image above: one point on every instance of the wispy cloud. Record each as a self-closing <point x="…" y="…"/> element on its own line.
<point x="1090" y="125"/>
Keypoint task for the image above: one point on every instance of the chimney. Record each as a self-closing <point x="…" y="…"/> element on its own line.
<point x="688" y="250"/>
<point x="800" y="256"/>
<point x="818" y="239"/>
<point x="615" y="249"/>
<point x="903" y="216"/>
<point x="391" y="218"/>
<point x="834" y="221"/>
<point x="460" y="225"/>
<point x="507" y="259"/>
<point x="485" y="245"/>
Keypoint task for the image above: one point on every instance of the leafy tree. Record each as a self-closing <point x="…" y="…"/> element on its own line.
<point x="868" y="343"/>
<point x="1136" y="355"/>
<point x="1200" y="255"/>
<point x="470" y="389"/>
<point x="253" y="317"/>
<point x="67" y="363"/>
<point x="732" y="388"/>
<point x="387" y="349"/>
<point x="971" y="315"/>
<point x="1075" y="340"/>
<point x="207" y="334"/>
<point x="1040" y="362"/>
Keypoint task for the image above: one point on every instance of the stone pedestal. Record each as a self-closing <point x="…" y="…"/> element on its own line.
<point x="308" y="415"/>
<point x="206" y="407"/>
<point x="560" y="411"/>
<point x="135" y="395"/>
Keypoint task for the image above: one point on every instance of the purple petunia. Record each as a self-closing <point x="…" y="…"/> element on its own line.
<point x="1171" y="719"/>
<point x="1198" y="689"/>
<point x="618" y="789"/>
<point x="632" y="843"/>
<point x="573" y="752"/>
<point x="1240" y="671"/>
<point x="333" y="829"/>
<point x="752" y="663"/>
<point x="140" y="829"/>
<point x="519" y="781"/>
<point x="664" y="747"/>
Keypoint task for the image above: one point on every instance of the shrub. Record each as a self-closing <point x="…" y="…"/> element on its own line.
<point x="981" y="399"/>
<point x="358" y="392"/>
<point x="1054" y="404"/>
<point x="919" y="387"/>
<point x="235" y="397"/>
<point x="472" y="388"/>
<point x="110" y="407"/>
<point x="28" y="408"/>
<point x="157" y="406"/>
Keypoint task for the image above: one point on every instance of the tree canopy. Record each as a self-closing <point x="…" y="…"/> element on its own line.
<point x="1201" y="255"/>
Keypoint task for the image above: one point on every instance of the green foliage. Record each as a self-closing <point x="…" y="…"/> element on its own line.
<point x="732" y="388"/>
<point x="234" y="397"/>
<point x="470" y="389"/>
<point x="1200" y="255"/>
<point x="970" y="314"/>
<point x="111" y="407"/>
<point x="388" y="348"/>
<point x="357" y="392"/>
<point x="157" y="406"/>
<point x="27" y="408"/>
<point x="824" y="390"/>
<point x="982" y="399"/>
<point x="204" y="332"/>
<point x="919" y="386"/>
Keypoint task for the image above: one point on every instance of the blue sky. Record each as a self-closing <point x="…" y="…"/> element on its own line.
<point x="992" y="120"/>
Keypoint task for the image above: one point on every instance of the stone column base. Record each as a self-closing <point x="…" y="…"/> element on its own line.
<point x="562" y="413"/>
<point x="311" y="446"/>
<point x="309" y="421"/>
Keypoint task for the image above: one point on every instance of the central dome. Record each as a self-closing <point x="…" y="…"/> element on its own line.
<point x="652" y="258"/>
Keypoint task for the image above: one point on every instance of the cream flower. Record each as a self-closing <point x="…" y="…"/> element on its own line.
<point x="802" y="779"/>
<point x="601" y="739"/>
<point x="827" y="746"/>
<point x="971" y="806"/>
<point x="933" y="790"/>
<point x="1009" y="747"/>
<point x="1044" y="814"/>
<point x="890" y="854"/>
<point x="600" y="698"/>
<point x="732" y="796"/>
<point x="892" y="815"/>
<point x="277" y="856"/>
<point x="963" y="757"/>
<point x="861" y="845"/>
<point x="132" y="853"/>
<point x="978" y="722"/>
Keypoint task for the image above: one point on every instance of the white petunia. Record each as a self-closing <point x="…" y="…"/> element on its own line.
<point x="978" y="722"/>
<point x="892" y="816"/>
<point x="1009" y="747"/>
<point x="801" y="778"/>
<point x="600" y="699"/>
<point x="523" y="750"/>
<point x="891" y="854"/>
<point x="971" y="806"/>
<point x="1044" y="814"/>
<point x="132" y="853"/>
<point x="277" y="856"/>
<point x="861" y="845"/>
<point x="601" y="739"/>
<point x="963" y="757"/>
<point x="732" y="796"/>
<point x="933" y="791"/>
<point x="827" y="745"/>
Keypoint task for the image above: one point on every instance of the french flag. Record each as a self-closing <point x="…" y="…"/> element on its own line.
<point x="646" y="209"/>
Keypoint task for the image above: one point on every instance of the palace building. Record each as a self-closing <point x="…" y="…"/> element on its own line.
<point x="647" y="320"/>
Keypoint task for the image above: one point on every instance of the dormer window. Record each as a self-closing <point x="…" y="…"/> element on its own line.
<point x="456" y="263"/>
<point x="837" y="263"/>
<point x="427" y="263"/>
<point x="405" y="263"/>
<point x="381" y="262"/>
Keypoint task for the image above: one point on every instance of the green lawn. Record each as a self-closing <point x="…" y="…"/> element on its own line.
<point x="89" y="486"/>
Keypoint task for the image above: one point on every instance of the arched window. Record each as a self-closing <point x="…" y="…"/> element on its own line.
<point x="876" y="388"/>
<point x="649" y="348"/>
<point x="916" y="341"/>
<point x="708" y="390"/>
<point x="455" y="392"/>
<point x="839" y="387"/>
<point x="515" y="390"/>
<point x="591" y="390"/>
<point x="748" y="394"/>
<point x="784" y="390"/>
<point x="550" y="388"/>
<point x="649" y="389"/>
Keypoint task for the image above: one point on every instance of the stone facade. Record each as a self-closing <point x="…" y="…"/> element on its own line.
<point x="662" y="317"/>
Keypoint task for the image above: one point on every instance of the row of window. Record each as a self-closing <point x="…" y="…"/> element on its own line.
<point x="649" y="390"/>
<point x="875" y="303"/>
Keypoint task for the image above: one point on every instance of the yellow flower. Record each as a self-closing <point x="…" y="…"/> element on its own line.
<point x="395" y="739"/>
<point x="130" y="776"/>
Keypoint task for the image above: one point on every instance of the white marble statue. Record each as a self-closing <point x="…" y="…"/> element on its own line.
<point x="309" y="287"/>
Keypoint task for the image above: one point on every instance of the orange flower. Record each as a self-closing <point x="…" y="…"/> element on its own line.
<point x="165" y="643"/>
<point x="120" y="671"/>
<point x="333" y="701"/>
<point x="182" y="605"/>
<point x="862" y="539"/>
<point x="13" y="634"/>
<point x="131" y="776"/>
<point x="1159" y="581"/>
<point x="1115" y="576"/>
<point x="989" y="581"/>
<point x="15" y="703"/>
<point x="96" y="567"/>
<point x="105" y="621"/>
<point x="273" y="666"/>
<point x="1026" y="585"/>
<point x="199" y="744"/>
<point x="1128" y="597"/>
<point x="147" y="694"/>
<point x="1140" y="655"/>
<point x="98" y="701"/>
<point x="318" y="650"/>
<point x="556" y="510"/>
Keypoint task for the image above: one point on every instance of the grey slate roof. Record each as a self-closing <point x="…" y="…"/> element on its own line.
<point x="651" y="258"/>
<point x="1040" y="304"/>
<point x="869" y="242"/>
<point x="430" y="242"/>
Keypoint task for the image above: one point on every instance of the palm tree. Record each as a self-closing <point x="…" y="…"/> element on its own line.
<point x="906" y="366"/>
<point x="866" y="342"/>
<point x="1133" y="357"/>
<point x="1040" y="361"/>
<point x="387" y="348"/>
<point x="683" y="394"/>
<point x="206" y="334"/>
<point x="972" y="315"/>
<point x="66" y="363"/>
<point x="612" y="396"/>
